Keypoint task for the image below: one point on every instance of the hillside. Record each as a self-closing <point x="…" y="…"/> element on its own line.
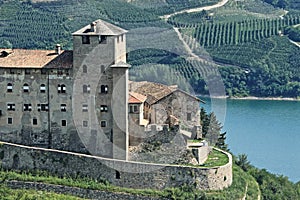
<point x="242" y="39"/>
<point x="250" y="184"/>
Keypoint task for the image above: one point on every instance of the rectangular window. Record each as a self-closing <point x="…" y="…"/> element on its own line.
<point x="84" y="108"/>
<point x="11" y="107"/>
<point x="63" y="107"/>
<point x="102" y="39"/>
<point x="104" y="89"/>
<point x="43" y="71"/>
<point x="103" y="123"/>
<point x="103" y="69"/>
<point x="34" y="121"/>
<point x="27" y="71"/>
<point x="9" y="87"/>
<point x="60" y="72"/>
<point x="12" y="71"/>
<point x="25" y="88"/>
<point x="10" y="120"/>
<point x="61" y="88"/>
<point x="189" y="116"/>
<point x="86" y="39"/>
<point x="103" y="108"/>
<point x="43" y="107"/>
<point x="43" y="88"/>
<point x="133" y="109"/>
<point x="27" y="107"/>
<point x="85" y="123"/>
<point x="63" y="122"/>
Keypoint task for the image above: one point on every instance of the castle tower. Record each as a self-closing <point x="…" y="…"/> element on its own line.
<point x="101" y="88"/>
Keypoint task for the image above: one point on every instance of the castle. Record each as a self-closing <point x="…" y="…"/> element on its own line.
<point x="49" y="95"/>
<point x="79" y="102"/>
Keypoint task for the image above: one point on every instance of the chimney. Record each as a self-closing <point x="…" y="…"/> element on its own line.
<point x="58" y="49"/>
<point x="93" y="27"/>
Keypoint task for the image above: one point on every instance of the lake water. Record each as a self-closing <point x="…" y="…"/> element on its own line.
<point x="267" y="131"/>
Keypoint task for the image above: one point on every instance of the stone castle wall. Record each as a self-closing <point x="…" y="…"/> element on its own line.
<point x="120" y="173"/>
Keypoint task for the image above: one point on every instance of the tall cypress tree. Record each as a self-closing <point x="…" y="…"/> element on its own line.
<point x="211" y="129"/>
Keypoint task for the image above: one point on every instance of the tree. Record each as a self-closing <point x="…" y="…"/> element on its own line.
<point x="221" y="141"/>
<point x="211" y="129"/>
<point x="214" y="129"/>
<point x="243" y="162"/>
<point x="6" y="44"/>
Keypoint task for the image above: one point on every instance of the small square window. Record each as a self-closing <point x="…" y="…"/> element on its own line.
<point x="61" y="88"/>
<point x="133" y="109"/>
<point x="86" y="39"/>
<point x="102" y="39"/>
<point x="11" y="107"/>
<point x="85" y="123"/>
<point x="27" y="71"/>
<point x="103" y="108"/>
<point x="43" y="88"/>
<point x="25" y="87"/>
<point x="63" y="122"/>
<point x="104" y="89"/>
<point x="43" y="107"/>
<point x="27" y="107"/>
<point x="10" y="120"/>
<point x="9" y="87"/>
<point x="86" y="88"/>
<point x="63" y="107"/>
<point x="43" y="71"/>
<point x="103" y="124"/>
<point x="84" y="108"/>
<point x="34" y="121"/>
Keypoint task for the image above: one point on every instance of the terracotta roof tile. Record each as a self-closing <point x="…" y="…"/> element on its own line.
<point x="24" y="58"/>
<point x="136" y="98"/>
<point x="153" y="91"/>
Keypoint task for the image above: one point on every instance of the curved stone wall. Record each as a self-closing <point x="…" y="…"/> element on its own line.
<point x="117" y="172"/>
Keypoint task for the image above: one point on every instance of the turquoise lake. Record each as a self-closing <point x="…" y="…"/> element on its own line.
<point x="267" y="131"/>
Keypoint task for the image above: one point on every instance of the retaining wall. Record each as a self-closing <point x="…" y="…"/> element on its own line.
<point x="117" y="172"/>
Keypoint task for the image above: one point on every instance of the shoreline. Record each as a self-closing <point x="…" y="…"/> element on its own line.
<point x="252" y="98"/>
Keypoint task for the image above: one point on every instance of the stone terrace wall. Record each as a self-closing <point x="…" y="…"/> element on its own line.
<point x="74" y="191"/>
<point x="120" y="173"/>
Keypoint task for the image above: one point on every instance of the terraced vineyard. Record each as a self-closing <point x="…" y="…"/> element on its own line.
<point x="233" y="33"/>
<point x="43" y="24"/>
<point x="162" y="7"/>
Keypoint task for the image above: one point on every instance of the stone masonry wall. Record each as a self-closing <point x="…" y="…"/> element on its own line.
<point x="120" y="173"/>
<point x="74" y="191"/>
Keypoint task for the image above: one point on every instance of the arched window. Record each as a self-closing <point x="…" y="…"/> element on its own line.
<point x="43" y="88"/>
<point x="25" y="87"/>
<point x="9" y="87"/>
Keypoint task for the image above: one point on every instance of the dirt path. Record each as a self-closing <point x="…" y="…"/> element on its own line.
<point x="246" y="190"/>
<point x="186" y="46"/>
<point x="221" y="3"/>
<point x="295" y="43"/>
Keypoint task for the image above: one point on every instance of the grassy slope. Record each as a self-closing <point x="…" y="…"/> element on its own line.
<point x="236" y="191"/>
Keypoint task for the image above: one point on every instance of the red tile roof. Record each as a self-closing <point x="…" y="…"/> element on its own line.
<point x="136" y="98"/>
<point x="25" y="58"/>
